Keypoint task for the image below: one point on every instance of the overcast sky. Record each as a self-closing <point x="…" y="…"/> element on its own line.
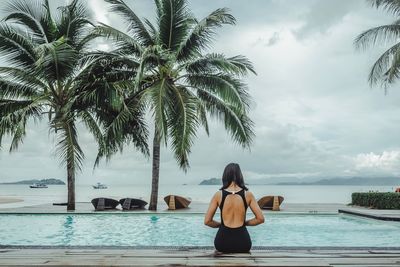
<point x="314" y="112"/>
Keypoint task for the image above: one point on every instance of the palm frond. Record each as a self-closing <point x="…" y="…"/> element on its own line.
<point x="74" y="22"/>
<point x="392" y="6"/>
<point x="236" y="121"/>
<point x="121" y="39"/>
<point x="228" y="88"/>
<point x="382" y="34"/>
<point x="16" y="47"/>
<point x="237" y="65"/>
<point x="123" y="126"/>
<point x="12" y="110"/>
<point x="10" y="89"/>
<point x="174" y="23"/>
<point x="202" y="115"/>
<point x="94" y="128"/>
<point x="48" y="24"/>
<point x="159" y="10"/>
<point x="68" y="148"/>
<point x="21" y="76"/>
<point x="135" y="25"/>
<point x="182" y="123"/>
<point x="158" y="95"/>
<point x="29" y="15"/>
<point x="19" y="134"/>
<point x="14" y="115"/>
<point x="385" y="69"/>
<point x="151" y="58"/>
<point x="152" y="30"/>
<point x="57" y="61"/>
<point x="202" y="34"/>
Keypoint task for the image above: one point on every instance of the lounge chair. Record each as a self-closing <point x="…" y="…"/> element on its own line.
<point x="132" y="203"/>
<point x="177" y="202"/>
<point x="102" y="203"/>
<point x="270" y="202"/>
<point x="60" y="204"/>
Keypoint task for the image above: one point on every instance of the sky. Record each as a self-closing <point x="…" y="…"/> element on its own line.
<point x="315" y="114"/>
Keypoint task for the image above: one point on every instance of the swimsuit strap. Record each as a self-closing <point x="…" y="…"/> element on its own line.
<point x="242" y="194"/>
<point x="225" y="194"/>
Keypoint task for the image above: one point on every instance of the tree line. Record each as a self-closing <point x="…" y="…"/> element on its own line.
<point x="54" y="72"/>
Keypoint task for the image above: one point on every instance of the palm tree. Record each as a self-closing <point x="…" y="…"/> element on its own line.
<point x="178" y="81"/>
<point x="386" y="69"/>
<point x="51" y="74"/>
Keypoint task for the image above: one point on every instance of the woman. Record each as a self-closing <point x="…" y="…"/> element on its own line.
<point x="233" y="200"/>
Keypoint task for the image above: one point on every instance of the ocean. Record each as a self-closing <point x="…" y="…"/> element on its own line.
<point x="198" y="193"/>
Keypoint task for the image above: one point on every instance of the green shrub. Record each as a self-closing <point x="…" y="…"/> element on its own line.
<point x="377" y="200"/>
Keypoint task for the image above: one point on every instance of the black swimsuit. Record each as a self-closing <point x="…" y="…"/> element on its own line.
<point x="232" y="240"/>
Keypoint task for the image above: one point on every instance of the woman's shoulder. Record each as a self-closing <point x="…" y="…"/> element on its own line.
<point x="249" y="194"/>
<point x="218" y="193"/>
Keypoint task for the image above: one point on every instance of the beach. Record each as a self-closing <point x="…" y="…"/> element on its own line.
<point x="8" y="200"/>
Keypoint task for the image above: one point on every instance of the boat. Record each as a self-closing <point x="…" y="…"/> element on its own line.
<point x="99" y="186"/>
<point x="132" y="203"/>
<point x="270" y="202"/>
<point x="102" y="203"/>
<point x="38" y="185"/>
<point x="177" y="202"/>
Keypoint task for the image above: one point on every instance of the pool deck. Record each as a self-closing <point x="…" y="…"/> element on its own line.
<point x="197" y="257"/>
<point x="384" y="215"/>
<point x="195" y="207"/>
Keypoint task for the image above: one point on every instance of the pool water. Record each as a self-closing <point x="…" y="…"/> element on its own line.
<point x="125" y="229"/>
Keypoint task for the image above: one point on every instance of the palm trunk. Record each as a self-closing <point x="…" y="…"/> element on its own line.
<point x="71" y="185"/>
<point x="155" y="171"/>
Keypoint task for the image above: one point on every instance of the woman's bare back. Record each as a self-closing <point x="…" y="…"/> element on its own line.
<point x="234" y="210"/>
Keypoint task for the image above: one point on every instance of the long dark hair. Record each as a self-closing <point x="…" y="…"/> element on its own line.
<point x="232" y="173"/>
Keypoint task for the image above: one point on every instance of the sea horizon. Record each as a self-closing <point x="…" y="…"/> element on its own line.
<point x="321" y="194"/>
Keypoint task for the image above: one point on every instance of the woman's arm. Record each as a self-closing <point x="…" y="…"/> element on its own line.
<point x="208" y="219"/>
<point x="259" y="217"/>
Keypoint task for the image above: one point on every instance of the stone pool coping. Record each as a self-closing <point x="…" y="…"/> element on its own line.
<point x="184" y="248"/>
<point x="117" y="212"/>
<point x="198" y="257"/>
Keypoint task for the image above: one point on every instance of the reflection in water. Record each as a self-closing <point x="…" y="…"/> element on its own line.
<point x="68" y="230"/>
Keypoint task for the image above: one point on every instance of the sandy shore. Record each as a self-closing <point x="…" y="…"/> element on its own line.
<point x="7" y="200"/>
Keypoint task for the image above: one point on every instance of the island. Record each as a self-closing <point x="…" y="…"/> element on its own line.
<point x="51" y="181"/>
<point x="211" y="181"/>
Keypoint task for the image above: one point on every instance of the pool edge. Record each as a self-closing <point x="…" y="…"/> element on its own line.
<point x="371" y="216"/>
<point x="256" y="248"/>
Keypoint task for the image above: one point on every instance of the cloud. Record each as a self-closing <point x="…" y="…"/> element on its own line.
<point x="386" y="161"/>
<point x="321" y="16"/>
<point x="269" y="41"/>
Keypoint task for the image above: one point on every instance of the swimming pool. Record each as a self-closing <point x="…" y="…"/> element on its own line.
<point x="129" y="229"/>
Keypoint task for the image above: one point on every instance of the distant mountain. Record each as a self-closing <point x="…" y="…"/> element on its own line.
<point x="275" y="180"/>
<point x="43" y="181"/>
<point x="350" y="181"/>
<point x="211" y="181"/>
